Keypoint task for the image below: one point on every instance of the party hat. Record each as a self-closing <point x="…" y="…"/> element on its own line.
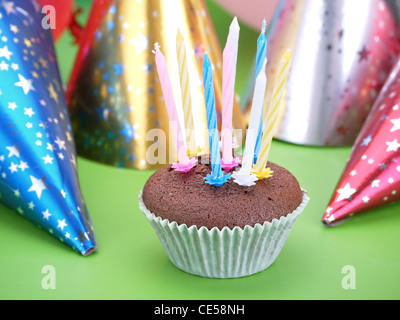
<point x="372" y="176"/>
<point x="38" y="176"/>
<point x="342" y="52"/>
<point x="116" y="101"/>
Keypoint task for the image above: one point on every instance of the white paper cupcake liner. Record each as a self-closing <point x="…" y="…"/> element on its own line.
<point x="226" y="253"/>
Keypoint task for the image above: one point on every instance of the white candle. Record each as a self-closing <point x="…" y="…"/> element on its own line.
<point x="243" y="176"/>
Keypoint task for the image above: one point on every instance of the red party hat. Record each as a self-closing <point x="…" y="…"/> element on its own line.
<point x="372" y="176"/>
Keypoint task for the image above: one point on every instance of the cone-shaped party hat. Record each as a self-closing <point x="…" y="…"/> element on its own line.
<point x="342" y="52"/>
<point x="115" y="98"/>
<point x="38" y="176"/>
<point x="372" y="176"/>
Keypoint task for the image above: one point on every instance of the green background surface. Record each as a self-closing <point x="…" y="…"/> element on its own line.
<point x="131" y="264"/>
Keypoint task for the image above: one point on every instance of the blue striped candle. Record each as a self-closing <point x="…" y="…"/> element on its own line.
<point x="261" y="55"/>
<point x="217" y="178"/>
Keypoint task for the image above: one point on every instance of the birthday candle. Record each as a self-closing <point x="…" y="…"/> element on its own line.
<point x="217" y="178"/>
<point x="261" y="49"/>
<point x="233" y="40"/>
<point x="185" y="164"/>
<point x="228" y="93"/>
<point x="185" y="90"/>
<point x="261" y="54"/>
<point x="270" y="119"/>
<point x="243" y="176"/>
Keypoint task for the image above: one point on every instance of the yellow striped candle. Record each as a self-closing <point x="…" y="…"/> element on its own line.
<point x="186" y="96"/>
<point x="260" y="169"/>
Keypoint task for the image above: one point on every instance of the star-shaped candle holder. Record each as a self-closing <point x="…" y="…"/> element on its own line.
<point x="217" y="181"/>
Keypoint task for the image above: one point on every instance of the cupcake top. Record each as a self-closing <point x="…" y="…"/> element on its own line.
<point x="186" y="199"/>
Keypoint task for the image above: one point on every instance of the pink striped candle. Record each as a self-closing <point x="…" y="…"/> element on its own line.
<point x="228" y="94"/>
<point x="184" y="163"/>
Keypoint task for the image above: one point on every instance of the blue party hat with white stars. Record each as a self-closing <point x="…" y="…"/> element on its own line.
<point x="38" y="176"/>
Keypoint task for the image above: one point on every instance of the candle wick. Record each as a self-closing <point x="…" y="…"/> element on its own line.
<point x="264" y="26"/>
<point x="156" y="47"/>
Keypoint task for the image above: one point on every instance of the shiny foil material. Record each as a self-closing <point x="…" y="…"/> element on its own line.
<point x="372" y="176"/>
<point x="38" y="176"/>
<point x="343" y="51"/>
<point x="115" y="97"/>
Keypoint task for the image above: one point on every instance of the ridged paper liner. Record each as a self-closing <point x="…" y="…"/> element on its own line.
<point x="226" y="253"/>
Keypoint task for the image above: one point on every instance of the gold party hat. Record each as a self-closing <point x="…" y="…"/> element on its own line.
<point x="116" y="102"/>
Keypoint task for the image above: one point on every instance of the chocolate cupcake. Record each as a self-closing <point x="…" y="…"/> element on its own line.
<point x="186" y="199"/>
<point x="233" y="222"/>
<point x="221" y="232"/>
